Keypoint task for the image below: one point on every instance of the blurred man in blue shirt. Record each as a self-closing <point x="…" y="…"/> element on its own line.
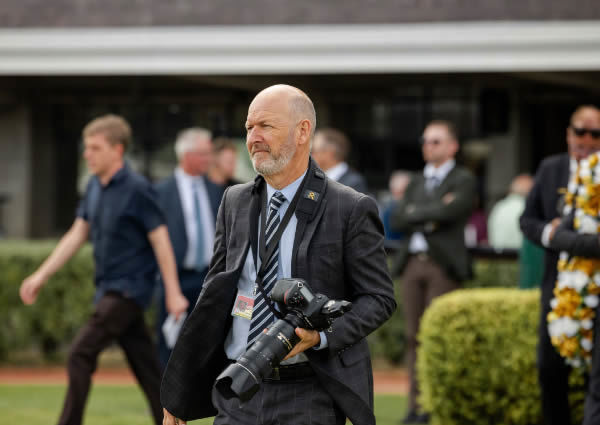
<point x="120" y="214"/>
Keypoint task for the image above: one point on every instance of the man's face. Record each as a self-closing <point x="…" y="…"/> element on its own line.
<point x="437" y="145"/>
<point x="580" y="140"/>
<point x="100" y="155"/>
<point x="270" y="137"/>
<point x="197" y="161"/>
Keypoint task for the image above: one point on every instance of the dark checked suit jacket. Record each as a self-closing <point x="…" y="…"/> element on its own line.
<point x="340" y="253"/>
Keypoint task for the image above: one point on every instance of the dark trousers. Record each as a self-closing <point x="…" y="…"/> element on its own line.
<point x="191" y="285"/>
<point x="422" y="280"/>
<point x="115" y="319"/>
<point x="290" y="402"/>
<point x="553" y="372"/>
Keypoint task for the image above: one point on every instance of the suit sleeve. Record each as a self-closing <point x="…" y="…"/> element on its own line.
<point x="370" y="286"/>
<point x="532" y="220"/>
<point x="187" y="381"/>
<point x="581" y="245"/>
<point x="398" y="218"/>
<point x="441" y="210"/>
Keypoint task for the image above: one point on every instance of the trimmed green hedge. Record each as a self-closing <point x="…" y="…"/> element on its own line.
<point x="62" y="306"/>
<point x="494" y="273"/>
<point x="66" y="302"/>
<point x="476" y="359"/>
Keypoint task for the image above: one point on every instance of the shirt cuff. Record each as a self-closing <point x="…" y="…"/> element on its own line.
<point x="323" y="342"/>
<point x="546" y="235"/>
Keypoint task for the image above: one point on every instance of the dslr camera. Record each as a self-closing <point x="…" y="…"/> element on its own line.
<point x="303" y="309"/>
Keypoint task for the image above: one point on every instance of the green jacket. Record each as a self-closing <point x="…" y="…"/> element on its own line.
<point x="441" y="215"/>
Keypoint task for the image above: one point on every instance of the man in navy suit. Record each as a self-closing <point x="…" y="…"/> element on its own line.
<point x="190" y="202"/>
<point x="330" y="150"/>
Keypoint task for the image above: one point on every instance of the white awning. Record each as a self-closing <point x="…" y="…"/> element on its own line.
<point x="303" y="49"/>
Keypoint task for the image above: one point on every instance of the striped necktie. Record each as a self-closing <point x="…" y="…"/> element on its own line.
<point x="262" y="316"/>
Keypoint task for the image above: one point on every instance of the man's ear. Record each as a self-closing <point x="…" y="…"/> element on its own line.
<point x="456" y="148"/>
<point x="303" y="130"/>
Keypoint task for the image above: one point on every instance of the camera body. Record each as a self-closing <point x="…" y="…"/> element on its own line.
<point x="313" y="311"/>
<point x="303" y="309"/>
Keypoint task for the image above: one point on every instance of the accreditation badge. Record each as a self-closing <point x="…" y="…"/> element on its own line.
<point x="243" y="306"/>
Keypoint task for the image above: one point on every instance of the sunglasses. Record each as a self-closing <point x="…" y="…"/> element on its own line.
<point x="581" y="131"/>
<point x="434" y="142"/>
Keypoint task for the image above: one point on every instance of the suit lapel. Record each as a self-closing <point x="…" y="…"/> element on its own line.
<point x="563" y="175"/>
<point x="566" y="170"/>
<point x="443" y="186"/>
<point x="177" y="202"/>
<point x="178" y="218"/>
<point x="420" y="191"/>
<point x="304" y="235"/>
<point x="308" y="212"/>
<point x="253" y="217"/>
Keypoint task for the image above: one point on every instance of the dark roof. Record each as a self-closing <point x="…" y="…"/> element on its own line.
<point x="85" y="13"/>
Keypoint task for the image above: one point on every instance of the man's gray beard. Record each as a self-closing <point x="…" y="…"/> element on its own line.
<point x="274" y="166"/>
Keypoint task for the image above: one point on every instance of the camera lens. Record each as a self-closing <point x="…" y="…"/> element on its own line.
<point x="242" y="379"/>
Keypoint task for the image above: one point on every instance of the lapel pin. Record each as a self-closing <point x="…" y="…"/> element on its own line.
<point x="309" y="194"/>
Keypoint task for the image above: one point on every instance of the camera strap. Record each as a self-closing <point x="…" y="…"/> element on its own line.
<point x="265" y="253"/>
<point x="305" y="204"/>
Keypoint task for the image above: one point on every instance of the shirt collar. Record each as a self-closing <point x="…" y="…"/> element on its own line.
<point x="337" y="171"/>
<point x="186" y="177"/>
<point x="289" y="191"/>
<point x="119" y="175"/>
<point x="440" y="172"/>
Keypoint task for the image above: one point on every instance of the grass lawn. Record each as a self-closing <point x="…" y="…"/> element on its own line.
<point x="122" y="405"/>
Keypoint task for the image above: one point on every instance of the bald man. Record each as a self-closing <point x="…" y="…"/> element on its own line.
<point x="538" y="223"/>
<point x="334" y="241"/>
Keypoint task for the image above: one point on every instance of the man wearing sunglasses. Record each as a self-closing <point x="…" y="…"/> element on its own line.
<point x="433" y="258"/>
<point x="538" y="222"/>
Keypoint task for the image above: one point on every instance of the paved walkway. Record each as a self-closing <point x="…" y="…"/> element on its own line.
<point x="393" y="381"/>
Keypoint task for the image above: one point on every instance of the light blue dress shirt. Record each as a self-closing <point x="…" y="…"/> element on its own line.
<point x="235" y="343"/>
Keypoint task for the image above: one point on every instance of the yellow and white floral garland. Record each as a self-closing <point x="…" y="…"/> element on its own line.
<point x="571" y="321"/>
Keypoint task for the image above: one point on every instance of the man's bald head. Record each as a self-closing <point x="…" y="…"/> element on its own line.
<point x="299" y="104"/>
<point x="279" y="131"/>
<point x="583" y="111"/>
